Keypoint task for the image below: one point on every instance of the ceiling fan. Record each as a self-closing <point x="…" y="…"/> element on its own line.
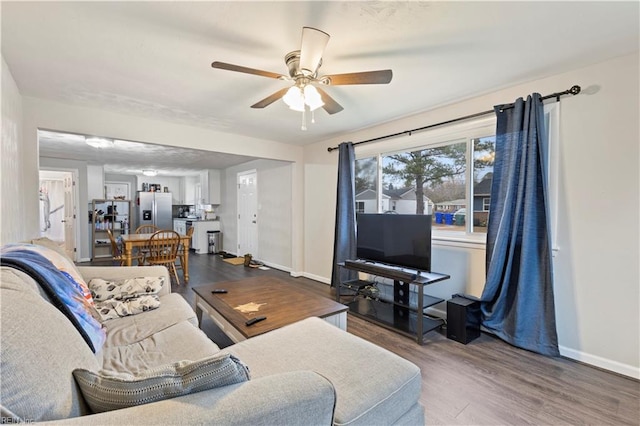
<point x="303" y="68"/>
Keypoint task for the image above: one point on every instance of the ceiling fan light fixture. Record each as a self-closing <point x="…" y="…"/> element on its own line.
<point x="98" y="142"/>
<point x="312" y="98"/>
<point x="294" y="98"/>
<point x="151" y="173"/>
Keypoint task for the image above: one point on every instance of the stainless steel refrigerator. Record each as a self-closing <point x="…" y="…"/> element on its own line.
<point x="154" y="208"/>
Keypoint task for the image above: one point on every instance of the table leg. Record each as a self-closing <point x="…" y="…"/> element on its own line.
<point x="127" y="255"/>
<point x="185" y="264"/>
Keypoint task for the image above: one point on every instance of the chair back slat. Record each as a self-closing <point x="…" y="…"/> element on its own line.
<point x="147" y="229"/>
<point x="163" y="247"/>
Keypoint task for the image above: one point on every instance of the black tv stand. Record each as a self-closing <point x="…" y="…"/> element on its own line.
<point x="397" y="315"/>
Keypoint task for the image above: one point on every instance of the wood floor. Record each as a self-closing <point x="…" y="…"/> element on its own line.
<point x="486" y="382"/>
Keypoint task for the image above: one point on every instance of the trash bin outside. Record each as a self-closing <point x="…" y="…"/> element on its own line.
<point x="214" y="242"/>
<point x="439" y="217"/>
<point x="459" y="219"/>
<point x="448" y="218"/>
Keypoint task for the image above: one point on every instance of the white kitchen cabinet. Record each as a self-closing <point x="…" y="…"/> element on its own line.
<point x="200" y="239"/>
<point x="190" y="189"/>
<point x="180" y="226"/>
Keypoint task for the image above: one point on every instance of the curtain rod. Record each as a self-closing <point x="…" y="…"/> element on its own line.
<point x="573" y="91"/>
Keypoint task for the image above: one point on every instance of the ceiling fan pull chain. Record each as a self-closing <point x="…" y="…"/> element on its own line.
<point x="304" y="119"/>
<point x="313" y="117"/>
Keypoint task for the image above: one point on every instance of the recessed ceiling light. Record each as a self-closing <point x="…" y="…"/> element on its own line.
<point x="150" y="172"/>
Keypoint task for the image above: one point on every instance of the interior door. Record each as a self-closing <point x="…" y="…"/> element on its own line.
<point x="248" y="213"/>
<point x="69" y="217"/>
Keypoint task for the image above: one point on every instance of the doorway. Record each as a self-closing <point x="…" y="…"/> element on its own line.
<point x="58" y="206"/>
<point x="248" y="213"/>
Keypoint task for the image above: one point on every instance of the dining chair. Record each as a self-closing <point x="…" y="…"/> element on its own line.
<point x="147" y="229"/>
<point x="116" y="251"/>
<point x="163" y="250"/>
<point x="184" y="250"/>
<point x="143" y="252"/>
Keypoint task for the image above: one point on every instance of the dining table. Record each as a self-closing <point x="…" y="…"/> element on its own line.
<point x="131" y="241"/>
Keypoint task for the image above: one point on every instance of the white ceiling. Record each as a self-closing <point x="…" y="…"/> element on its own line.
<point x="153" y="59"/>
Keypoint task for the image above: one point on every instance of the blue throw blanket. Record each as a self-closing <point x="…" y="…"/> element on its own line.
<point x="63" y="292"/>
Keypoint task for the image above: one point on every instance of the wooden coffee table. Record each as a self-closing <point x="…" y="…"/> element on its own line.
<point x="282" y="303"/>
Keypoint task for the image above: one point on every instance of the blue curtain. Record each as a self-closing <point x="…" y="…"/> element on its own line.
<point x="344" y="244"/>
<point x="517" y="301"/>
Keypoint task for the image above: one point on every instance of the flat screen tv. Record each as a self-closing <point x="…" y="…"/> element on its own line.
<point x="395" y="239"/>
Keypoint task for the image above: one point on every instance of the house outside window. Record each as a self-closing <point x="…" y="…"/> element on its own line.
<point x="360" y="207"/>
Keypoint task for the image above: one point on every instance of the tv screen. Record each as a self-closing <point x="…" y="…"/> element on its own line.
<point x="395" y="239"/>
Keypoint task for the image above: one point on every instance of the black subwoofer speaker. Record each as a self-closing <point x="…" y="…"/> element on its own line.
<point x="463" y="319"/>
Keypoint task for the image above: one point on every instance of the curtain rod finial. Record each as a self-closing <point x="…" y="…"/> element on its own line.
<point x="575" y="90"/>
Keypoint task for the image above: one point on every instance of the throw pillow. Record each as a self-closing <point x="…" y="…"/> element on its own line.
<point x="112" y="308"/>
<point x="107" y="390"/>
<point x="102" y="290"/>
<point x="55" y="255"/>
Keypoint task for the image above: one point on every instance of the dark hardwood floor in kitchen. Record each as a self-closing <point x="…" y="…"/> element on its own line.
<point x="486" y="382"/>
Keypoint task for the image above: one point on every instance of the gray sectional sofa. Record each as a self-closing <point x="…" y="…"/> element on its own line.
<point x="307" y="373"/>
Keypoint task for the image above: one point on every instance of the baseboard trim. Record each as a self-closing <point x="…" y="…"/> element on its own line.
<point x="276" y="266"/>
<point x="599" y="362"/>
<point x="314" y="277"/>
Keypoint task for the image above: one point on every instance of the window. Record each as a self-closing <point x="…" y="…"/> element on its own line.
<point x="366" y="185"/>
<point x="455" y="166"/>
<point x="484" y="150"/>
<point x="449" y="178"/>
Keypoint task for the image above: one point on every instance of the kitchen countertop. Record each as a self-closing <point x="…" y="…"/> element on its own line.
<point x="196" y="220"/>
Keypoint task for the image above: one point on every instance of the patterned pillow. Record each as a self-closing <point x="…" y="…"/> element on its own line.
<point x="112" y="308"/>
<point x="107" y="390"/>
<point x="102" y="290"/>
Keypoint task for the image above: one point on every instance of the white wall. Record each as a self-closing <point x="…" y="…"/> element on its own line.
<point x="596" y="266"/>
<point x="50" y="115"/>
<point x="12" y="187"/>
<point x="275" y="213"/>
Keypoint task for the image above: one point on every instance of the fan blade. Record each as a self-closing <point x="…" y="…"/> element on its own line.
<point x="238" y="68"/>
<point x="330" y="105"/>
<point x="312" y="47"/>
<point x="367" y="77"/>
<point x="270" y="99"/>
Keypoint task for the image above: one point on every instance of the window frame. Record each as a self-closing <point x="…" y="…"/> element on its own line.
<point x="434" y="138"/>
<point x="474" y="129"/>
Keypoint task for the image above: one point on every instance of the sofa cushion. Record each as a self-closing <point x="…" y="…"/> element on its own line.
<point x="373" y="385"/>
<point x="39" y="350"/>
<point x="107" y="390"/>
<point x="128" y="330"/>
<point x="175" y="343"/>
